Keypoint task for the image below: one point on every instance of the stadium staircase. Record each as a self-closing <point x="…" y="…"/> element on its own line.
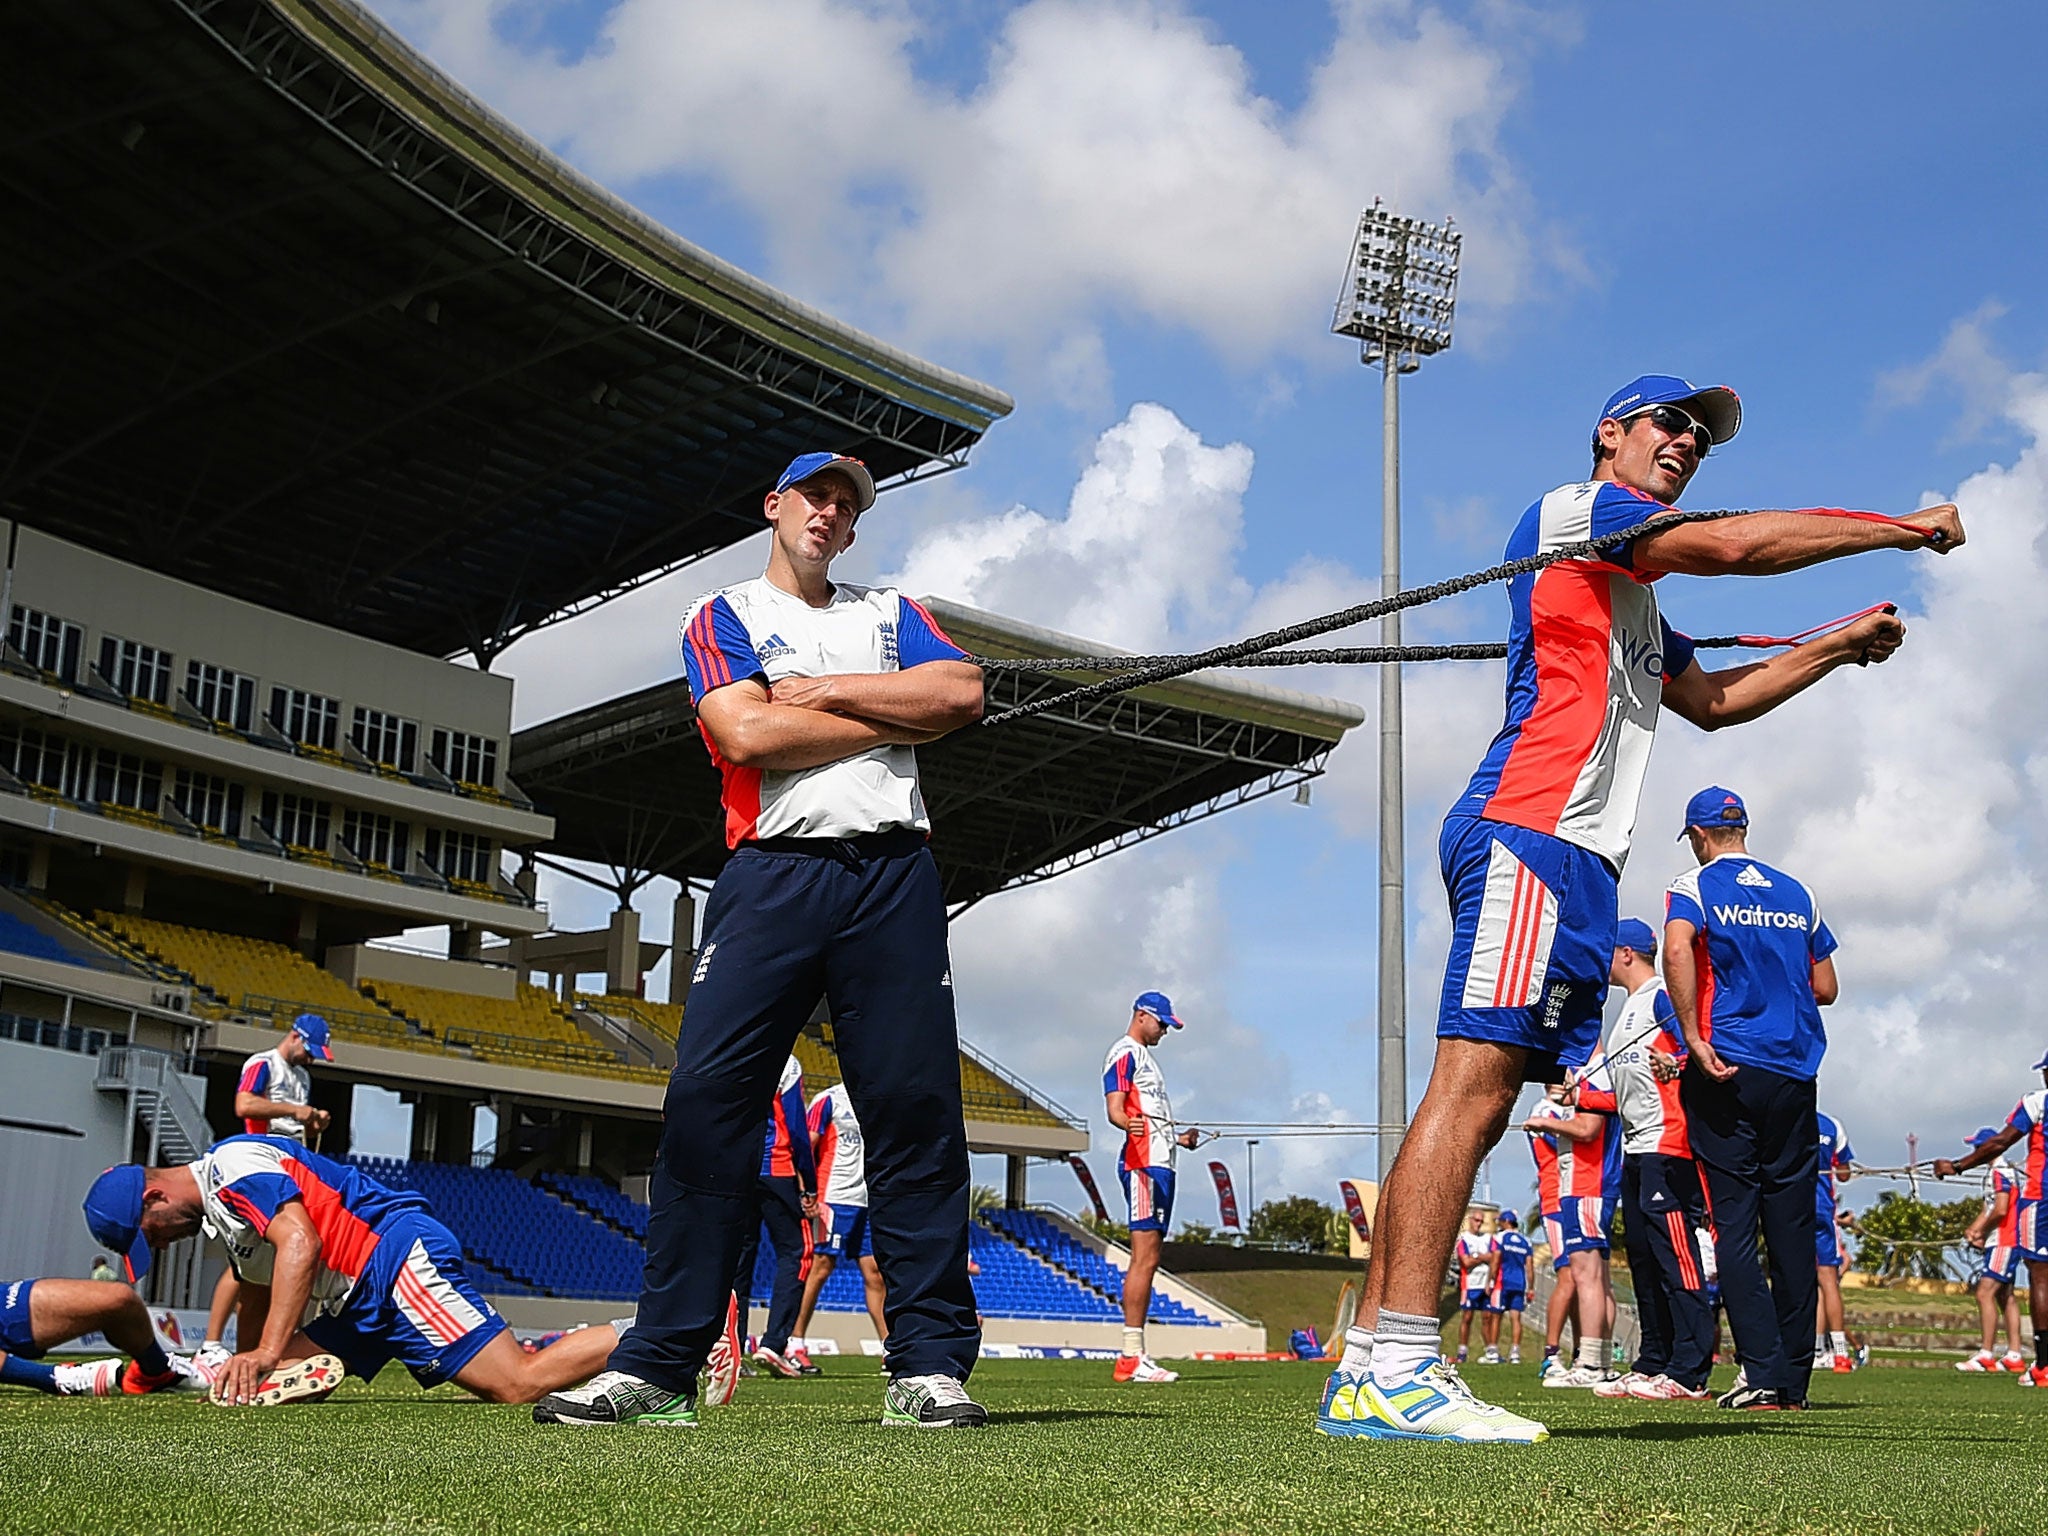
<point x="174" y="1125"/>
<point x="1043" y="1237"/>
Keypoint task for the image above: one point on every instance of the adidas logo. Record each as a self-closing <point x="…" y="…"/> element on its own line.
<point x="1751" y="875"/>
<point x="1657" y="1198"/>
<point x="774" y="646"/>
<point x="703" y="964"/>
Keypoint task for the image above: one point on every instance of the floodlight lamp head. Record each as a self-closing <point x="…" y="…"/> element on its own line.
<point x="1400" y="289"/>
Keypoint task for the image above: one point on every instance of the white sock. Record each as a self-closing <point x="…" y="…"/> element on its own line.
<point x="1820" y="1343"/>
<point x="1840" y="1341"/>
<point x="1593" y="1354"/>
<point x="1357" y="1351"/>
<point x="621" y="1324"/>
<point x="1134" y="1341"/>
<point x="1403" y="1343"/>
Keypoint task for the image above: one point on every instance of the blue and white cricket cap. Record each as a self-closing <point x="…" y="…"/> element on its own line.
<point x="312" y="1029"/>
<point x="1633" y="933"/>
<point x="113" y="1213"/>
<point x="805" y="465"/>
<point x="1715" y="807"/>
<point x="2042" y="1064"/>
<point x="1717" y="407"/>
<point x="1978" y="1137"/>
<point x="1509" y="1217"/>
<point x="1156" y="1004"/>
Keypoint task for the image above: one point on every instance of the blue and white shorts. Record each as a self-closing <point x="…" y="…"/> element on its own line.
<point x="1997" y="1263"/>
<point x="1532" y="939"/>
<point x="1510" y="1301"/>
<point x="17" y="1331"/>
<point x="413" y="1304"/>
<point x="1476" y="1301"/>
<point x="1585" y="1221"/>
<point x="846" y="1232"/>
<point x="1148" y="1192"/>
<point x="1827" y="1245"/>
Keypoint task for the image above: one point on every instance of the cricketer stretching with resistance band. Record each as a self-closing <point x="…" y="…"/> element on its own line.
<point x="1532" y="852"/>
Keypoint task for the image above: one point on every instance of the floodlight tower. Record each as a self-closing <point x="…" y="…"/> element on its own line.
<point x="1398" y="296"/>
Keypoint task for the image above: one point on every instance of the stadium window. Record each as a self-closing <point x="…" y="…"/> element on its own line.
<point x="33" y="756"/>
<point x="466" y="758"/>
<point x="207" y="801"/>
<point x="104" y="776"/>
<point x="375" y="839"/>
<point x="298" y="821"/>
<point x="310" y="719"/>
<point x="461" y="855"/>
<point x="386" y="739"/>
<point x="140" y="671"/>
<point x="47" y="643"/>
<point x="221" y="695"/>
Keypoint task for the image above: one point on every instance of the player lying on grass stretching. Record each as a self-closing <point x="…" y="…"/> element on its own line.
<point x="36" y="1316"/>
<point x="1532" y="852"/>
<point x="339" y="1275"/>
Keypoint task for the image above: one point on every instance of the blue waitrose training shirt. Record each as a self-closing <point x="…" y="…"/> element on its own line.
<point x="1759" y="934"/>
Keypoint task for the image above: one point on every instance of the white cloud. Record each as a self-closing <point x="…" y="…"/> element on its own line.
<point x="1111" y="159"/>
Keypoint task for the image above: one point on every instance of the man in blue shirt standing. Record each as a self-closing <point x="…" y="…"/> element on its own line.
<point x="1512" y="1252"/>
<point x="1746" y="961"/>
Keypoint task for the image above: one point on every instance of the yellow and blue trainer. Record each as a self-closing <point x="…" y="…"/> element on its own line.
<point x="1432" y="1403"/>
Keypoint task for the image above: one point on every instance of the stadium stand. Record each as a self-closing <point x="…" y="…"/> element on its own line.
<point x="1057" y="1248"/>
<point x="27" y="930"/>
<point x="528" y="1029"/>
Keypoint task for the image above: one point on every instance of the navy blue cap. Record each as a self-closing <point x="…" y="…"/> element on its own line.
<point x="1718" y="407"/>
<point x="1508" y="1217"/>
<point x="113" y="1213"/>
<point x="312" y="1029"/>
<point x="1715" y="807"/>
<point x="2042" y="1064"/>
<point x="1155" y="1003"/>
<point x="1982" y="1134"/>
<point x="1633" y="933"/>
<point x="805" y="465"/>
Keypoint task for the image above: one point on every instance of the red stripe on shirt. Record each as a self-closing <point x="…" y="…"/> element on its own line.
<point x="1571" y="624"/>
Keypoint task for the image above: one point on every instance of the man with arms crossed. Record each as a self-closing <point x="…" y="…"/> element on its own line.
<point x="841" y="1161"/>
<point x="1134" y="1093"/>
<point x="1661" y="1201"/>
<point x="339" y="1276"/>
<point x="1747" y="960"/>
<point x="811" y="695"/>
<point x="273" y="1097"/>
<point x="1512" y="1252"/>
<point x="2029" y="1123"/>
<point x="1532" y="853"/>
<point x="1474" y="1258"/>
<point x="1993" y="1233"/>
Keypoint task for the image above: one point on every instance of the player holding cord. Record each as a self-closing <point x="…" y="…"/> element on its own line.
<point x="36" y="1316"/>
<point x="1543" y="1148"/>
<point x="1512" y="1253"/>
<point x="1837" y="1161"/>
<point x="812" y="696"/>
<point x="1589" y="1187"/>
<point x="340" y="1275"/>
<point x="2029" y="1123"/>
<point x="273" y="1097"/>
<point x="842" y="1177"/>
<point x="1532" y="853"/>
<point x="1134" y="1095"/>
<point x="1662" y="1202"/>
<point x="786" y="1201"/>
<point x="1993" y="1233"/>
<point x="1474" y="1258"/>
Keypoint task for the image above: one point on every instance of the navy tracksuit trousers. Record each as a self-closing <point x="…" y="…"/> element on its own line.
<point x="781" y="1209"/>
<point x="862" y="921"/>
<point x="1758" y="1144"/>
<point x="1661" y="1206"/>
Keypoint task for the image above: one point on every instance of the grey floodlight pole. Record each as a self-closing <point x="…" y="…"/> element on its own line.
<point x="1398" y="298"/>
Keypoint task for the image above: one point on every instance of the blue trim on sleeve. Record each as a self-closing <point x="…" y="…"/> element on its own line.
<point x="717" y="649"/>
<point x="919" y="638"/>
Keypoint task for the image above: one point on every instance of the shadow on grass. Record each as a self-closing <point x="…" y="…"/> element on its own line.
<point x="1067" y="1415"/>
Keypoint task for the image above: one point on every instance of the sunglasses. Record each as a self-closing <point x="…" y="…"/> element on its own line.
<point x="1673" y="422"/>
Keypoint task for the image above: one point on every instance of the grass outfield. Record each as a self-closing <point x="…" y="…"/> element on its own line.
<point x="1228" y="1449"/>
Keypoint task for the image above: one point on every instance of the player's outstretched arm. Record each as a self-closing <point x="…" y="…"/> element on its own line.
<point x="1771" y="543"/>
<point x="273" y="1311"/>
<point x="751" y="730"/>
<point x="1735" y="695"/>
<point x="1976" y="1158"/>
<point x="931" y="699"/>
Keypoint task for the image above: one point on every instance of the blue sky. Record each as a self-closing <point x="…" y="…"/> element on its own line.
<point x="1839" y="211"/>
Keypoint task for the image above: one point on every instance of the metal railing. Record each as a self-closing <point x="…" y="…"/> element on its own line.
<point x="177" y="1126"/>
<point x="1028" y="1097"/>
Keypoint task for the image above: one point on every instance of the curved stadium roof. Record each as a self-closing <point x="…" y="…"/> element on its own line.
<point x="288" y="314"/>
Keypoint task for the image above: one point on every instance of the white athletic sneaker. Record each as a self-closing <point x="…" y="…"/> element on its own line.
<point x="1428" y="1404"/>
<point x="211" y="1356"/>
<point x="89" y="1378"/>
<point x="613" y="1397"/>
<point x="314" y="1376"/>
<point x="1983" y="1360"/>
<point x="1514" y="1357"/>
<point x="1662" y="1389"/>
<point x="722" y="1365"/>
<point x="1619" y="1386"/>
<point x="1579" y="1376"/>
<point x="194" y="1376"/>
<point x="1490" y="1357"/>
<point x="1143" y="1369"/>
<point x="930" y="1402"/>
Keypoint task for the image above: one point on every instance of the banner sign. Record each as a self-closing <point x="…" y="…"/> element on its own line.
<point x="1226" y="1197"/>
<point x="1355" y="1209"/>
<point x="1088" y="1183"/>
